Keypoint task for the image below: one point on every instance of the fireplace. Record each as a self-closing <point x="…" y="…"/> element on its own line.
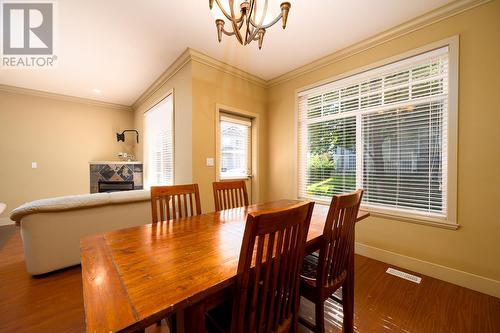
<point x="115" y="186"/>
<point x="110" y="176"/>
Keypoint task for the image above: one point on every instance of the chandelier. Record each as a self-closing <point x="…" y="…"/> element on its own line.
<point x="250" y="25"/>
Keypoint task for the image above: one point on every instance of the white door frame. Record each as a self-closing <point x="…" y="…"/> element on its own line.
<point x="255" y="145"/>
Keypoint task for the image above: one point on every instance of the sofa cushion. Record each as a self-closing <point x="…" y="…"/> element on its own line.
<point x="81" y="201"/>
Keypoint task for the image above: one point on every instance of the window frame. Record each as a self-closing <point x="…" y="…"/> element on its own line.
<point x="147" y="183"/>
<point x="450" y="221"/>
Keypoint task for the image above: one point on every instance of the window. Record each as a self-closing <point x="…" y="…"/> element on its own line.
<point x="235" y="147"/>
<point x="159" y="143"/>
<point x="384" y="130"/>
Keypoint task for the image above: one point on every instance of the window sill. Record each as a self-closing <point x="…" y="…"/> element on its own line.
<point x="415" y="220"/>
<point x="234" y="178"/>
<point x="427" y="221"/>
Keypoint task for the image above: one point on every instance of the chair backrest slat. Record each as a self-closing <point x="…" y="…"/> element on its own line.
<point x="338" y="238"/>
<point x="230" y="194"/>
<point x="267" y="282"/>
<point x="162" y="208"/>
<point x="171" y="202"/>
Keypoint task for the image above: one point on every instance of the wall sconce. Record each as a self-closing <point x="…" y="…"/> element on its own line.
<point x="121" y="136"/>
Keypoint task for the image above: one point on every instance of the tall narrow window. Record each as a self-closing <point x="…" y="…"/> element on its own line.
<point x="159" y="143"/>
<point x="385" y="130"/>
<point x="235" y="147"/>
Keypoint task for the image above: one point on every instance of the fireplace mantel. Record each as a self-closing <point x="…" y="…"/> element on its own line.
<point x="114" y="162"/>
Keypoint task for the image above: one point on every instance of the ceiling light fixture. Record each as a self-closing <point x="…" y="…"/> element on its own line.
<point x="251" y="24"/>
<point x="96" y="91"/>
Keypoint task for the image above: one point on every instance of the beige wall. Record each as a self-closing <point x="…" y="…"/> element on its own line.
<point x="197" y="89"/>
<point x="211" y="87"/>
<point x="180" y="84"/>
<point x="62" y="136"/>
<point x="475" y="247"/>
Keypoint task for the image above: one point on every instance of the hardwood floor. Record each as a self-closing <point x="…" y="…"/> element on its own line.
<point x="385" y="303"/>
<point x="53" y="303"/>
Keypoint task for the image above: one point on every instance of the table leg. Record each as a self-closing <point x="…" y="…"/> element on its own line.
<point x="179" y="322"/>
<point x="194" y="318"/>
<point x="348" y="296"/>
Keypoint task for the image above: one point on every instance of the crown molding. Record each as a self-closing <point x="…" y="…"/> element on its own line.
<point x="415" y="24"/>
<point x="226" y="68"/>
<point x="191" y="55"/>
<point x="176" y="66"/>
<point x="61" y="97"/>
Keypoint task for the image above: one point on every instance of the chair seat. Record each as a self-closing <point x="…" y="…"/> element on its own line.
<point x="219" y="319"/>
<point x="308" y="278"/>
<point x="310" y="266"/>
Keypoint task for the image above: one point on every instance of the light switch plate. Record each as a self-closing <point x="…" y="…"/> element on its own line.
<point x="34" y="165"/>
<point x="210" y="161"/>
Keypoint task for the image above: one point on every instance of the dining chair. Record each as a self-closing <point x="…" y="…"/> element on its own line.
<point x="230" y="194"/>
<point x="171" y="203"/>
<point x="174" y="202"/>
<point x="323" y="274"/>
<point x="266" y="293"/>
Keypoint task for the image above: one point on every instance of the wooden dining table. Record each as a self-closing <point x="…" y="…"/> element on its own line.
<point x="134" y="277"/>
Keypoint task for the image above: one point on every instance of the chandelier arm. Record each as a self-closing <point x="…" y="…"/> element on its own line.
<point x="252" y="20"/>
<point x="256" y="27"/>
<point x="247" y="36"/>
<point x="248" y="41"/>
<point x="273" y="22"/>
<point x="253" y="35"/>
<point x="223" y="10"/>
<point x="241" y="19"/>
<point x="264" y="12"/>
<point x="265" y="26"/>
<point x="251" y="32"/>
<point x="250" y="11"/>
<point x="237" y="32"/>
<point x="249" y="16"/>
<point x="227" y="33"/>
<point x="241" y="22"/>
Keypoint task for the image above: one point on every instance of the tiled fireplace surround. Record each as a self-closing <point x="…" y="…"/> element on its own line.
<point x="115" y="171"/>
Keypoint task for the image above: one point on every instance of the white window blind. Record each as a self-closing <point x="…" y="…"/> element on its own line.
<point x="235" y="147"/>
<point x="384" y="130"/>
<point x="159" y="143"/>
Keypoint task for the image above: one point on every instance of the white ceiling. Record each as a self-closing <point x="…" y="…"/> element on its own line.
<point x="122" y="46"/>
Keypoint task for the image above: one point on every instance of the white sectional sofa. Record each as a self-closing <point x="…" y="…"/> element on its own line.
<point x="51" y="228"/>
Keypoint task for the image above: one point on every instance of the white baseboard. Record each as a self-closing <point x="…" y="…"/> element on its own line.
<point x="5" y="221"/>
<point x="451" y="275"/>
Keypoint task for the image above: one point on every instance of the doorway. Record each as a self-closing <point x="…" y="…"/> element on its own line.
<point x="236" y="148"/>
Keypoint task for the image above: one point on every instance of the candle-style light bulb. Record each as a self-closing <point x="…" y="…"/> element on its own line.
<point x="220" y="25"/>
<point x="285" y="8"/>
<point x="261" y="34"/>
